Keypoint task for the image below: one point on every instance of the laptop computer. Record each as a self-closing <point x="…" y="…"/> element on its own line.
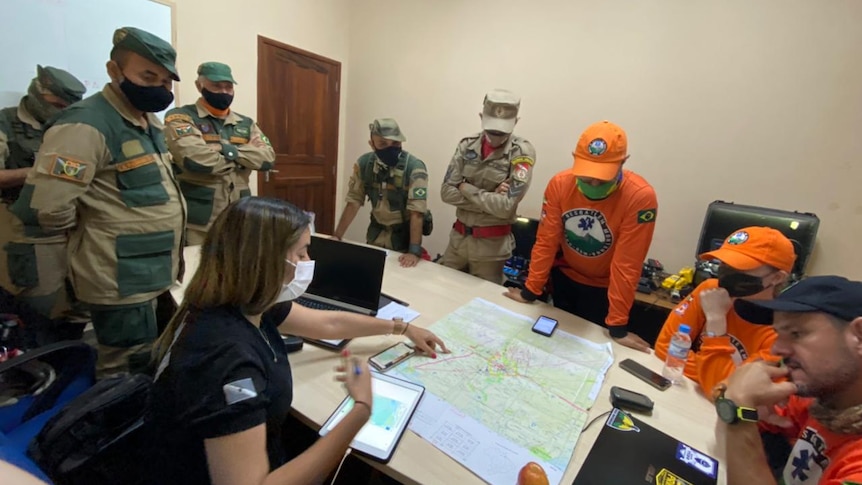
<point x="347" y="277"/>
<point x="630" y="451"/>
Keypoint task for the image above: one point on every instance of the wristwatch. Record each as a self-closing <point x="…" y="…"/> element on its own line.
<point x="415" y="249"/>
<point x="728" y="411"/>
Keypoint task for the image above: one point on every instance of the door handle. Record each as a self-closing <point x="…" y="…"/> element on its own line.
<point x="266" y="175"/>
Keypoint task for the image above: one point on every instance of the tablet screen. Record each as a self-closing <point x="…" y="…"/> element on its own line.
<point x="394" y="403"/>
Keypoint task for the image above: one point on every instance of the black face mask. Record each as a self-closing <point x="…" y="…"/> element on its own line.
<point x="739" y="285"/>
<point x="220" y="101"/>
<point x="389" y="155"/>
<point x="149" y="99"/>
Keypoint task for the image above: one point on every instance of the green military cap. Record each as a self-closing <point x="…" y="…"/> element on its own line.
<point x="216" y="72"/>
<point x="387" y="128"/>
<point x="60" y="83"/>
<point x="149" y="46"/>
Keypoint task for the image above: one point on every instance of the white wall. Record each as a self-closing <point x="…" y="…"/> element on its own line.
<point x="753" y="102"/>
<point x="227" y="32"/>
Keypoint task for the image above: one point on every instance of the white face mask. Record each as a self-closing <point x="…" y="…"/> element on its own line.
<point x="302" y="277"/>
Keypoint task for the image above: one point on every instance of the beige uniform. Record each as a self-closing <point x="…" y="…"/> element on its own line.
<point x="393" y="192"/>
<point x="208" y="179"/>
<point x="106" y="179"/>
<point x="478" y="205"/>
<point x="32" y="264"/>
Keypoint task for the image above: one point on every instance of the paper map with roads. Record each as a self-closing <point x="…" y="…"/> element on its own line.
<point x="505" y="395"/>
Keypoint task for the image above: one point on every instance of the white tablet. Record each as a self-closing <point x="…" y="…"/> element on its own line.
<point x="395" y="400"/>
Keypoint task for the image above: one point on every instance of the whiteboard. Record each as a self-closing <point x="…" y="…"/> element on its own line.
<point x="74" y="35"/>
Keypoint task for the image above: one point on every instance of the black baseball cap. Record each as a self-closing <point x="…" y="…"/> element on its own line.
<point x="834" y="295"/>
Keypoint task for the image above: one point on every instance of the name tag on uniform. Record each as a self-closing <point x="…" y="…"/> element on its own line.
<point x="136" y="163"/>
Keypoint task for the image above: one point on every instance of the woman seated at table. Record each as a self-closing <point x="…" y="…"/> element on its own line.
<point x="223" y="386"/>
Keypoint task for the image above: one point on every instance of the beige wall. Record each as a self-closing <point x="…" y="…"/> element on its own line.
<point x="753" y="102"/>
<point x="227" y="32"/>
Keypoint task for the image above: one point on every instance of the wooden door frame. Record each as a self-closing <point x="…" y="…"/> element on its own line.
<point x="335" y="110"/>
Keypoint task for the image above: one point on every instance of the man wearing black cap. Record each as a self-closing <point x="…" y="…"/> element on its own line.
<point x="34" y="273"/>
<point x="818" y="408"/>
<point x="103" y="176"/>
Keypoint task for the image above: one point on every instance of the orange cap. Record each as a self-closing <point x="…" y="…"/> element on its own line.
<point x="751" y="247"/>
<point x="601" y="151"/>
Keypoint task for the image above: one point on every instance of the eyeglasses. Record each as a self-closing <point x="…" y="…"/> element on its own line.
<point x="496" y="133"/>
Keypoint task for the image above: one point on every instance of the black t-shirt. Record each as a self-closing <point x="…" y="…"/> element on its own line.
<point x="222" y="378"/>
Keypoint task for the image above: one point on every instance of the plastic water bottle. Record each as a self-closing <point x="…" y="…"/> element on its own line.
<point x="677" y="354"/>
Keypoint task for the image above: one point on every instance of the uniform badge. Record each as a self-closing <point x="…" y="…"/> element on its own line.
<point x="265" y="140"/>
<point x="178" y="117"/>
<point x="598" y="147"/>
<point x="470" y="155"/>
<point x="184" y="130"/>
<point x="419" y="193"/>
<point x="132" y="148"/>
<point x="204" y="127"/>
<point x="68" y="169"/>
<point x="646" y="216"/>
<point x="241" y="130"/>
<point x="737" y="238"/>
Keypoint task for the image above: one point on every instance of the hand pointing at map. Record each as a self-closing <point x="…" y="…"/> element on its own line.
<point x="425" y="341"/>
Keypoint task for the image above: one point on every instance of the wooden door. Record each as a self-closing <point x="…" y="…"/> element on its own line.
<point x="297" y="108"/>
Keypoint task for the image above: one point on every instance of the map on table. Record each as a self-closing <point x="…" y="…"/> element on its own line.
<point x="505" y="395"/>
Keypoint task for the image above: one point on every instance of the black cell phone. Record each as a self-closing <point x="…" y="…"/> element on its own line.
<point x="633" y="401"/>
<point x="656" y="380"/>
<point x="392" y="356"/>
<point x="545" y="326"/>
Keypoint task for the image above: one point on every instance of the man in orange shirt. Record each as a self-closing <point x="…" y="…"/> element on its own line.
<point x="602" y="219"/>
<point x="819" y="327"/>
<point x="755" y="263"/>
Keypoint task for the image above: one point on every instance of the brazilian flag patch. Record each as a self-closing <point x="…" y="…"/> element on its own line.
<point x="265" y="139"/>
<point x="646" y="216"/>
<point x="420" y="193"/>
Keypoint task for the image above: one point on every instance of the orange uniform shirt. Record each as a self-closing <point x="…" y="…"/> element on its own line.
<point x="819" y="456"/>
<point x="604" y="242"/>
<point x="713" y="359"/>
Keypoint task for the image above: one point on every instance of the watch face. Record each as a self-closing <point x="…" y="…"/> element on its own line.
<point x="726" y="410"/>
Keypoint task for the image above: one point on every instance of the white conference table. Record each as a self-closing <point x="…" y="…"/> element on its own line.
<point x="435" y="291"/>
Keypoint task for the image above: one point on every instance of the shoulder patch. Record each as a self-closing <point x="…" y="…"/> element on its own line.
<point x="184" y="129"/>
<point x="419" y="193"/>
<point x="69" y="169"/>
<point x="238" y="391"/>
<point x="525" y="160"/>
<point x="178" y="117"/>
<point x="646" y="216"/>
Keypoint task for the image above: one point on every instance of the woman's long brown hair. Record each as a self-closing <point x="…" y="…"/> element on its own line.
<point x="241" y="261"/>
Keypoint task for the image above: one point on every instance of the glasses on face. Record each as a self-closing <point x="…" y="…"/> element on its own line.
<point x="496" y="133"/>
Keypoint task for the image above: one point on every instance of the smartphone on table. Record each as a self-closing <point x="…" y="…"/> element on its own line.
<point x="654" y="379"/>
<point x="392" y="356"/>
<point x="545" y="326"/>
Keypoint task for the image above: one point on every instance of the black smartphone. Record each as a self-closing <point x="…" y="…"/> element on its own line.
<point x="656" y="380"/>
<point x="392" y="356"/>
<point x="545" y="326"/>
<point x="633" y="401"/>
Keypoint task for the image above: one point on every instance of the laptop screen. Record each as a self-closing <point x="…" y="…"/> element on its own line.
<point x="346" y="272"/>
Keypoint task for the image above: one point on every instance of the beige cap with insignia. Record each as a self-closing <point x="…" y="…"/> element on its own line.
<point x="500" y="111"/>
